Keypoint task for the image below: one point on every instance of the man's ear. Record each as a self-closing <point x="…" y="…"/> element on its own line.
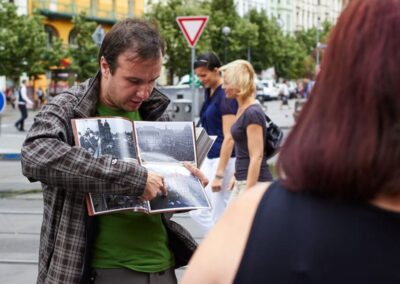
<point x="104" y="68"/>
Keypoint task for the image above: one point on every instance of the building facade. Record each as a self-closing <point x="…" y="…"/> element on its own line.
<point x="294" y="15"/>
<point x="58" y="14"/>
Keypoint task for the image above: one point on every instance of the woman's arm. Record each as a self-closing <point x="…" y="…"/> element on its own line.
<point x="226" y="150"/>
<point x="229" y="237"/>
<point x="255" y="145"/>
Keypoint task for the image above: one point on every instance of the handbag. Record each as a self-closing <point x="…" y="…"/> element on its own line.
<point x="274" y="138"/>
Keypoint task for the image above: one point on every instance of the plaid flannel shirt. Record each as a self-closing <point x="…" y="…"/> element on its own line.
<point x="68" y="172"/>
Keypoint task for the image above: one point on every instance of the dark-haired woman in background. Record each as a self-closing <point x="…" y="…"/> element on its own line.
<point x="216" y="117"/>
<point x="334" y="215"/>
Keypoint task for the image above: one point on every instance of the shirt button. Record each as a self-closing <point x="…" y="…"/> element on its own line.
<point x="114" y="161"/>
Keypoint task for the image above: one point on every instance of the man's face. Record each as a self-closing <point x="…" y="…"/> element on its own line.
<point x="132" y="82"/>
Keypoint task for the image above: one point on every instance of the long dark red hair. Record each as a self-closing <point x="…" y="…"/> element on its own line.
<point x="346" y="142"/>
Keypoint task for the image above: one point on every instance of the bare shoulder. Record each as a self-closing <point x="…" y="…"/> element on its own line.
<point x="218" y="257"/>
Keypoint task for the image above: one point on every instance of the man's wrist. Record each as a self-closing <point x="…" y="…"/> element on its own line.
<point x="219" y="176"/>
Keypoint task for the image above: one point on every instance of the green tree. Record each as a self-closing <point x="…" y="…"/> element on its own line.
<point x="23" y="42"/>
<point x="308" y="40"/>
<point x="243" y="35"/>
<point x="84" y="53"/>
<point x="264" y="54"/>
<point x="55" y="53"/>
<point x="178" y="52"/>
<point x="290" y="59"/>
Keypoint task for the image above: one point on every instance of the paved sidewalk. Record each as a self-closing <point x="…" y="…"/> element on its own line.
<point x="11" y="178"/>
<point x="10" y="138"/>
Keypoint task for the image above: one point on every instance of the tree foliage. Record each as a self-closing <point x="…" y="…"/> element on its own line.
<point x="84" y="53"/>
<point x="254" y="37"/>
<point x="178" y="51"/>
<point x="22" y="43"/>
<point x="24" y="47"/>
<point x="308" y="40"/>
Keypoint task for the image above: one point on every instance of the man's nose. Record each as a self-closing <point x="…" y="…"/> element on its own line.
<point x="144" y="91"/>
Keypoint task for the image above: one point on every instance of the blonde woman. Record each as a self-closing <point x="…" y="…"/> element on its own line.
<point x="249" y="129"/>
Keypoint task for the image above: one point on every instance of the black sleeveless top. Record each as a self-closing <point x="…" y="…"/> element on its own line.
<point x="300" y="238"/>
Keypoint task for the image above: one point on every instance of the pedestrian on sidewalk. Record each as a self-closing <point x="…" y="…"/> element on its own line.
<point x="123" y="247"/>
<point x="216" y="117"/>
<point x="249" y="129"/>
<point x="334" y="214"/>
<point x="41" y="97"/>
<point x="284" y="92"/>
<point x="22" y="101"/>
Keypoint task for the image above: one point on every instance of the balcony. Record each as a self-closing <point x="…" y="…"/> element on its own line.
<point x="101" y="11"/>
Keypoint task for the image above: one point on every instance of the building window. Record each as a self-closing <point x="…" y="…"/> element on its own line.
<point x="51" y="34"/>
<point x="72" y="38"/>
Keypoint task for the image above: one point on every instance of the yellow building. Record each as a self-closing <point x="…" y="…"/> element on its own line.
<point x="58" y="16"/>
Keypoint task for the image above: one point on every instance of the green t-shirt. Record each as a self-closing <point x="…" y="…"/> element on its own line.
<point x="131" y="240"/>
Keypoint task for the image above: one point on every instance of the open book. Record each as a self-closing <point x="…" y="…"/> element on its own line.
<point x="161" y="147"/>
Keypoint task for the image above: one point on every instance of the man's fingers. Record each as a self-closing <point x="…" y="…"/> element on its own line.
<point x="163" y="188"/>
<point x="196" y="172"/>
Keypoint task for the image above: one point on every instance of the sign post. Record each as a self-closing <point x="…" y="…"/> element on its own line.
<point x="192" y="28"/>
<point x="3" y="103"/>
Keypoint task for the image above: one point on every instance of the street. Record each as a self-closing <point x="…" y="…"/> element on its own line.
<point x="21" y="201"/>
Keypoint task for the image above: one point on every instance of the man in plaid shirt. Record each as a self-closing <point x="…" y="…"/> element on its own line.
<point x="120" y="247"/>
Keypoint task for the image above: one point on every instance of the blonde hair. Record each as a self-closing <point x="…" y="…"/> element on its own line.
<point x="240" y="73"/>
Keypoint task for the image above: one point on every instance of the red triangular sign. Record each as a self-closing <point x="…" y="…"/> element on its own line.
<point x="192" y="27"/>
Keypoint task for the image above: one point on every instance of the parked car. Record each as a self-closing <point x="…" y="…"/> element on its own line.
<point x="187" y="81"/>
<point x="266" y="90"/>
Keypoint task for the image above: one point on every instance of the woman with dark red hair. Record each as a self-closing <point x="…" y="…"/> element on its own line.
<point x="334" y="214"/>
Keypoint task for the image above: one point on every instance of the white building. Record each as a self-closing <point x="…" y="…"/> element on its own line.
<point x="294" y="15"/>
<point x="309" y="13"/>
<point x="244" y="6"/>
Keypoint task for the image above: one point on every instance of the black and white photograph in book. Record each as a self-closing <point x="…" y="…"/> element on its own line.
<point x="184" y="192"/>
<point x="107" y="136"/>
<point x="112" y="202"/>
<point x="165" y="142"/>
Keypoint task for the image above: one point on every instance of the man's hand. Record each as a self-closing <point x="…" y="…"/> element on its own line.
<point x="197" y="173"/>
<point x="154" y="186"/>
<point x="216" y="184"/>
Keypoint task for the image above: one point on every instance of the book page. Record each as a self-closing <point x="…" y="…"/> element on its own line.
<point x="204" y="143"/>
<point x="106" y="136"/>
<point x="107" y="203"/>
<point x="169" y="142"/>
<point x="184" y="190"/>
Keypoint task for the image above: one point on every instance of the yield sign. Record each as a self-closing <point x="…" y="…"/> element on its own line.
<point x="192" y="27"/>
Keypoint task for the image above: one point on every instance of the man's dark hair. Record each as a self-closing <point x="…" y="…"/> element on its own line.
<point x="134" y="35"/>
<point x="207" y="59"/>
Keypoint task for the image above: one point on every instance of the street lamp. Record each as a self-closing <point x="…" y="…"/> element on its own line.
<point x="226" y="31"/>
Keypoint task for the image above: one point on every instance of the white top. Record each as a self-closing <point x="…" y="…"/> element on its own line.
<point x="24" y="96"/>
